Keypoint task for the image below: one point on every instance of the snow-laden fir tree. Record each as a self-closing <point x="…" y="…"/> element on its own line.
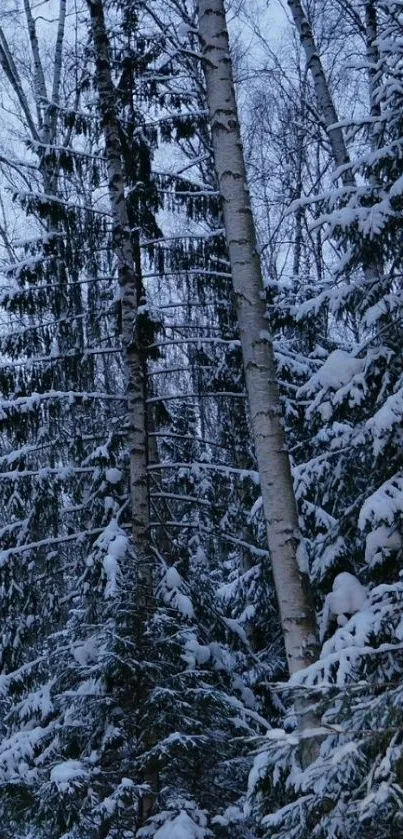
<point x="350" y="490"/>
<point x="90" y="722"/>
<point x="62" y="484"/>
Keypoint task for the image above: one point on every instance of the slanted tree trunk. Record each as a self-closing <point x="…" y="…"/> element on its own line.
<point x="322" y="91"/>
<point x="326" y="105"/>
<point x="290" y="576"/>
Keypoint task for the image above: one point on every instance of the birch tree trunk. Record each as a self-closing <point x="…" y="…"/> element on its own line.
<point x="371" y="33"/>
<point x="327" y="108"/>
<point x="323" y="95"/>
<point x="134" y="367"/>
<point x="123" y="248"/>
<point x="290" y="577"/>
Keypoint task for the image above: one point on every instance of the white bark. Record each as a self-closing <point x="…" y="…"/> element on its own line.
<point x="322" y="91"/>
<point x="123" y="247"/>
<point x="291" y="582"/>
<point x="327" y="109"/>
<point x="40" y="83"/>
<point x="133" y="363"/>
<point x="46" y="114"/>
<point x="371" y="32"/>
<point x="8" y="66"/>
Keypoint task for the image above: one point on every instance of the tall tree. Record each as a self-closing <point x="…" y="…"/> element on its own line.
<point x="353" y="481"/>
<point x="290" y="573"/>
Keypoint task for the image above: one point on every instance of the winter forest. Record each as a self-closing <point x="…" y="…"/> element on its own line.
<point x="201" y="403"/>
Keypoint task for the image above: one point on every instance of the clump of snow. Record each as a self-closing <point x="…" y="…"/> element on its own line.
<point x="113" y="541"/>
<point x="195" y="653"/>
<point x="65" y="775"/>
<point x="191" y="824"/>
<point x="182" y="827"/>
<point x="171" y="586"/>
<point x="380" y="540"/>
<point x="302" y="557"/>
<point x="340" y="379"/>
<point x="232" y="815"/>
<point x="276" y="734"/>
<point x="347" y="597"/>
<point x="172" y="578"/>
<point x="113" y="475"/>
<point x="337" y="371"/>
<point x="116" y="551"/>
<point x="86" y="652"/>
<point x="183" y="604"/>
<point x="109" y="503"/>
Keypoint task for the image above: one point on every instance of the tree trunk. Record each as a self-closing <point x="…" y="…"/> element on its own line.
<point x="371" y="31"/>
<point x="134" y="366"/>
<point x="123" y="248"/>
<point x="323" y="96"/>
<point x="290" y="576"/>
<point x="327" y="109"/>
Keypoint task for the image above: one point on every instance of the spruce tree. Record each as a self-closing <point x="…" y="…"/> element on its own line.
<point x="351" y="485"/>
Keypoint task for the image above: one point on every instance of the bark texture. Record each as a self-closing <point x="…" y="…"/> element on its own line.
<point x="326" y="105"/>
<point x="371" y="36"/>
<point x="134" y="366"/>
<point x="322" y="91"/>
<point x="124" y="252"/>
<point x="291" y="581"/>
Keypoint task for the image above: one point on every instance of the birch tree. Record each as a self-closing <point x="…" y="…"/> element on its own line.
<point x="371" y="268"/>
<point x="323" y="94"/>
<point x="290" y="574"/>
<point x="129" y="282"/>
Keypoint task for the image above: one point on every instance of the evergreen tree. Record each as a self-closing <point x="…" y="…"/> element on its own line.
<point x="108" y="657"/>
<point x="350" y="488"/>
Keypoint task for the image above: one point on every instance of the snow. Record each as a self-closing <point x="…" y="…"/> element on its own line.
<point x="182" y="827"/>
<point x="172" y="578"/>
<point x="337" y="371"/>
<point x="231" y="815"/>
<point x="379" y="540"/>
<point x="302" y="557"/>
<point x="114" y="541"/>
<point x="276" y="734"/>
<point x="87" y="652"/>
<point x="113" y="475"/>
<point x="19" y="749"/>
<point x="347" y="597"/>
<point x="383" y="423"/>
<point x="195" y="653"/>
<point x="191" y="824"/>
<point x="257" y="506"/>
<point x="258" y="771"/>
<point x="184" y="604"/>
<point x="116" y="551"/>
<point x="172" y="582"/>
<point x="382" y="506"/>
<point x="37" y="702"/>
<point x="63" y="775"/>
